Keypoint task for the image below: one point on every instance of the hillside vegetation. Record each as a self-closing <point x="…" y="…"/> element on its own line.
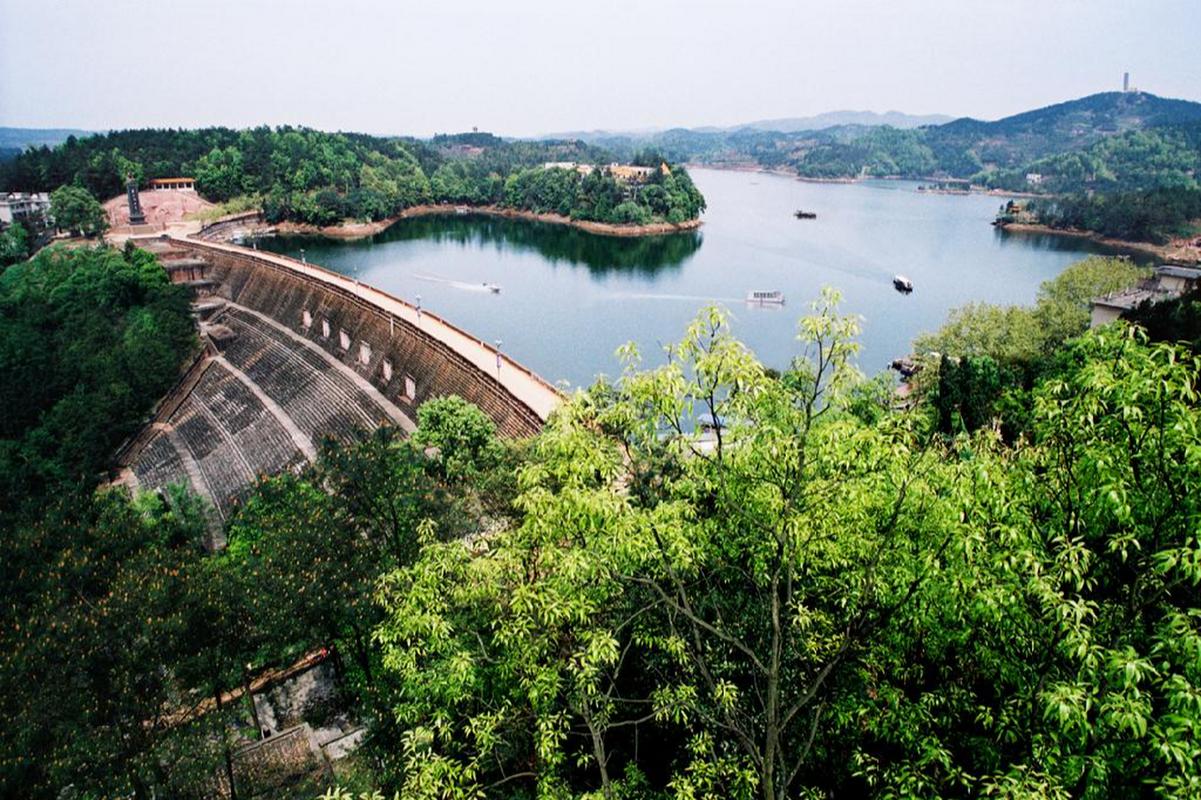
<point x="321" y="178"/>
<point x="1103" y="142"/>
<point x="89" y="339"/>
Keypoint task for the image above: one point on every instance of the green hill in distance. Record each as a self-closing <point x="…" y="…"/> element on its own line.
<point x="13" y="141"/>
<point x="1106" y="141"/>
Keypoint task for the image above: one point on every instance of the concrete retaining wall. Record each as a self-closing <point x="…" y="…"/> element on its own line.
<point x="432" y="367"/>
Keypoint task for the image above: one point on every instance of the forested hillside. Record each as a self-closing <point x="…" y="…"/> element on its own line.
<point x="1155" y="216"/>
<point x="1103" y="142"/>
<point x="321" y="178"/>
<point x="89" y="340"/>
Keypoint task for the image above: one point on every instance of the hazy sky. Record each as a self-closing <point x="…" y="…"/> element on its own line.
<point x="531" y="66"/>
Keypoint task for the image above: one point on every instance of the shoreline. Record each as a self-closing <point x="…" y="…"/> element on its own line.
<point x="787" y="173"/>
<point x="1177" y="251"/>
<point x="360" y="230"/>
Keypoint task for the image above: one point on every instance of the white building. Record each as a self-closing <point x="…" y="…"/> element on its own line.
<point x="18" y="206"/>
<point x="1166" y="283"/>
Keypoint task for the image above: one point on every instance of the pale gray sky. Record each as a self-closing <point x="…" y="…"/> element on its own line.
<point x="530" y="66"/>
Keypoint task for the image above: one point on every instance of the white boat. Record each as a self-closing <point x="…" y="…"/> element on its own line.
<point x="902" y="284"/>
<point x="765" y="297"/>
<point x="492" y="287"/>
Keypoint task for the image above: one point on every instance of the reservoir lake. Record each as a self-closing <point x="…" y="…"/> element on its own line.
<point x="569" y="299"/>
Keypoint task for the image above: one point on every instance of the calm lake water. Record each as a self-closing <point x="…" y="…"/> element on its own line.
<point x="569" y="299"/>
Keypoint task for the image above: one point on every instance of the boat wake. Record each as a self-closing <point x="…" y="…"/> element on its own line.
<point x="466" y="286"/>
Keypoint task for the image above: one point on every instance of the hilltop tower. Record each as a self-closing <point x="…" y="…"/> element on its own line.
<point x="1125" y="81"/>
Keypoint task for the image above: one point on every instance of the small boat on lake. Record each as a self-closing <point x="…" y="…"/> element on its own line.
<point x="799" y="214"/>
<point x="492" y="287"/>
<point x="765" y="297"/>
<point x="902" y="284"/>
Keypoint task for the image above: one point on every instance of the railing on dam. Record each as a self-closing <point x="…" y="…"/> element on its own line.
<point x="523" y="384"/>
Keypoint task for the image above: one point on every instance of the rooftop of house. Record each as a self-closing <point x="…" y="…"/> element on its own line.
<point x="1173" y="271"/>
<point x="1127" y="299"/>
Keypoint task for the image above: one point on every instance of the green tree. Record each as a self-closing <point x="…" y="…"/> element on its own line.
<point x="713" y="596"/>
<point x="74" y="209"/>
<point x="1011" y="334"/>
<point x="14" y="244"/>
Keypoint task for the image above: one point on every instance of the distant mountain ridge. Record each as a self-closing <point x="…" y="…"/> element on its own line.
<point x="834" y="119"/>
<point x="1103" y="142"/>
<point x="827" y="119"/>
<point x="15" y="140"/>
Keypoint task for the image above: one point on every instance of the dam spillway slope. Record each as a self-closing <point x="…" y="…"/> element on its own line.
<point x="294" y="354"/>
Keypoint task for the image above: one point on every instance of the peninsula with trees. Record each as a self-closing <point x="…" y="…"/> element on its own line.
<point x="316" y="179"/>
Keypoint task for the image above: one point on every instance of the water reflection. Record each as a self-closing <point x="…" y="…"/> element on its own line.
<point x="568" y="299"/>
<point x="639" y="255"/>
<point x="1059" y="243"/>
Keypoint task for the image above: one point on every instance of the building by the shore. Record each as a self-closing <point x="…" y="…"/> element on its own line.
<point x="1166" y="283"/>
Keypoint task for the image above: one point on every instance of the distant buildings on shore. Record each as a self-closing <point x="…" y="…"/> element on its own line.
<point x="627" y="173"/>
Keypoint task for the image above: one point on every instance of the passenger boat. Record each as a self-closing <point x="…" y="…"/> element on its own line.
<point x="805" y="214"/>
<point x="765" y="297"/>
<point x="492" y="287"/>
<point x="902" y="284"/>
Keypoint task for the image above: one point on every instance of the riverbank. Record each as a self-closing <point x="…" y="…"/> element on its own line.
<point x="783" y="172"/>
<point x="350" y="230"/>
<point x="1178" y="251"/>
<point x="789" y="173"/>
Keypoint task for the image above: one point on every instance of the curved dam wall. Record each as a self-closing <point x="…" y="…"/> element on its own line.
<point x="408" y="355"/>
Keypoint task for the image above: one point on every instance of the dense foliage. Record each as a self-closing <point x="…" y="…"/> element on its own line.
<point x="89" y="339"/>
<point x="1023" y="333"/>
<point x="817" y="605"/>
<point x="1144" y="159"/>
<point x="986" y="358"/>
<point x="15" y="243"/>
<point x="322" y="178"/>
<point x="75" y="211"/>
<point x="120" y="632"/>
<point x="1152" y="216"/>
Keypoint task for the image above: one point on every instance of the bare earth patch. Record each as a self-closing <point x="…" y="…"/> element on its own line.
<point x="162" y="207"/>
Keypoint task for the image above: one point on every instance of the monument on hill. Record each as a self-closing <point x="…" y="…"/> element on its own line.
<point x="136" y="217"/>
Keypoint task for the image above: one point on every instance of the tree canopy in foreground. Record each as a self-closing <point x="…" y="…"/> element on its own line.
<point x="816" y="605"/>
<point x="823" y="597"/>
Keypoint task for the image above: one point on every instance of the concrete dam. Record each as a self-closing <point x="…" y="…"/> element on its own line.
<point x="292" y="354"/>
